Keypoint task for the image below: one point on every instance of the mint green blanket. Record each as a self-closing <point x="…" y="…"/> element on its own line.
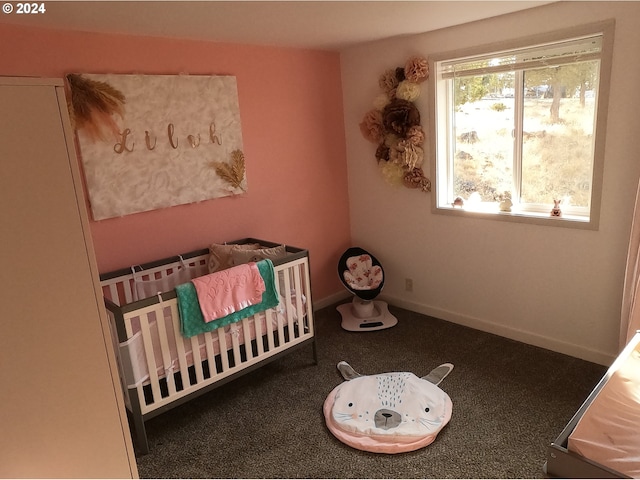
<point x="191" y="319"/>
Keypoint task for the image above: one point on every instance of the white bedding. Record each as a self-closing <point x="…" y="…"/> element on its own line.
<point x="133" y="350"/>
<point x="609" y="430"/>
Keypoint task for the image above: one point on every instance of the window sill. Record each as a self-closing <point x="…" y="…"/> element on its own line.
<point x="535" y="218"/>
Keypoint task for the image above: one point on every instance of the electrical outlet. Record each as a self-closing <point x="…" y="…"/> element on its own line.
<point x="408" y="284"/>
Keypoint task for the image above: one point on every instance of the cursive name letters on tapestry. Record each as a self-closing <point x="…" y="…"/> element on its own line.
<point x="126" y="144"/>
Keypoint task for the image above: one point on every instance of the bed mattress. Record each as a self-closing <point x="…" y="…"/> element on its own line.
<point x="609" y="430"/>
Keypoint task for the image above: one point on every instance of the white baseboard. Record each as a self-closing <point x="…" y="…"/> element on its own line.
<point x="331" y="299"/>
<point x="537" y="340"/>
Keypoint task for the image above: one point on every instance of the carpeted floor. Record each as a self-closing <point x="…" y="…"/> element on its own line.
<point x="510" y="400"/>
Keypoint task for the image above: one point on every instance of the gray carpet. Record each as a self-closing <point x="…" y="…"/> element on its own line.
<point x="510" y="400"/>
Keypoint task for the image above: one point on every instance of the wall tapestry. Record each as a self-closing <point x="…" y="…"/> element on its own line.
<point x="155" y="141"/>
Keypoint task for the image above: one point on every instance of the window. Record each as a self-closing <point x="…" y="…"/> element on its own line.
<point x="520" y="127"/>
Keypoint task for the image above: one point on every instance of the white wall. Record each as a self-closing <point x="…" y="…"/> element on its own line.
<point x="558" y="288"/>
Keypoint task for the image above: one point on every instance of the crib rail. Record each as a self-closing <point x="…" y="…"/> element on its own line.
<point x="210" y="357"/>
<point x="165" y="368"/>
<point x="118" y="286"/>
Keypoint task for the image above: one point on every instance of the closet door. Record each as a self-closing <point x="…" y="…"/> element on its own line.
<point x="61" y="407"/>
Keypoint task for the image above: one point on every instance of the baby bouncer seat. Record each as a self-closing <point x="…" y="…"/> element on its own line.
<point x="362" y="274"/>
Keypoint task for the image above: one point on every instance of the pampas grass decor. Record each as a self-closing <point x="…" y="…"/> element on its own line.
<point x="232" y="173"/>
<point x="93" y="105"/>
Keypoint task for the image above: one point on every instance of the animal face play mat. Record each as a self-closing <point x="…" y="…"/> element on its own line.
<point x="389" y="412"/>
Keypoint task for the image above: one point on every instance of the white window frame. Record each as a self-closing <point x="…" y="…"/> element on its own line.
<point x="441" y="120"/>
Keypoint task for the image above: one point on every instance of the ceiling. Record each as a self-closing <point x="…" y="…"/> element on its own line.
<point x="324" y="25"/>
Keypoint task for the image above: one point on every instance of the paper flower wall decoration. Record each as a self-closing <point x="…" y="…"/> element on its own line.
<point x="394" y="125"/>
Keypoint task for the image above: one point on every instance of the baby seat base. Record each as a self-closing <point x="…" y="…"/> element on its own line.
<point x="366" y="315"/>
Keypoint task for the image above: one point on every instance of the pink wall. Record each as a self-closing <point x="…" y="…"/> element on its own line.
<point x="292" y="128"/>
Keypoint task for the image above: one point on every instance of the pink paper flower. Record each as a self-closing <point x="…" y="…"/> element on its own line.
<point x="371" y="126"/>
<point x="416" y="179"/>
<point x="415" y="135"/>
<point x="416" y="69"/>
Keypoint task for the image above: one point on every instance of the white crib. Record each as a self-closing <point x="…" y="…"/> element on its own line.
<point x="161" y="369"/>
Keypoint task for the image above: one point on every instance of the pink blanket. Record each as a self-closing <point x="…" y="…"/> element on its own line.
<point x="227" y="291"/>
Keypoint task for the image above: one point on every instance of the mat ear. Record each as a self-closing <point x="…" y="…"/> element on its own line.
<point x="439" y="373"/>
<point x="347" y="372"/>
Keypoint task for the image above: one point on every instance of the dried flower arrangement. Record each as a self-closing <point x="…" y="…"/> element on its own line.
<point x="93" y="105"/>
<point x="394" y="125"/>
